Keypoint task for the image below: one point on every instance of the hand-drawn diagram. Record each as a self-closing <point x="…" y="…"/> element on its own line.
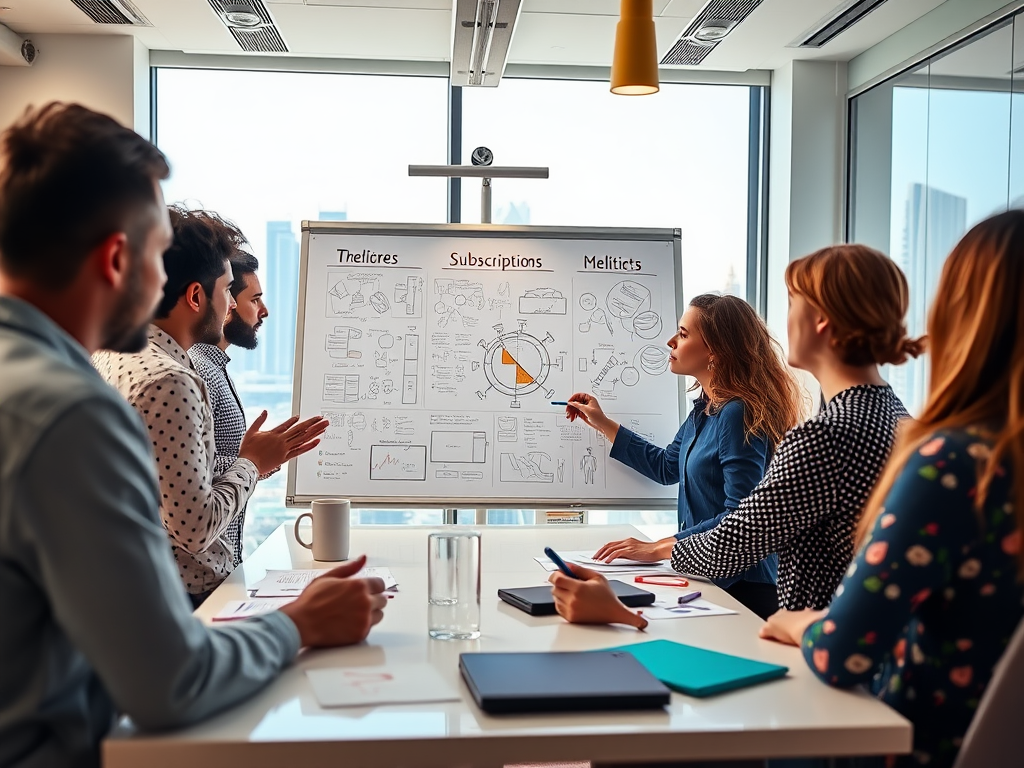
<point x="398" y="462"/>
<point x="517" y="363"/>
<point x="561" y="470"/>
<point x="589" y="465"/>
<point x="355" y="293"/>
<point x="339" y="342"/>
<point x="455" y="299"/>
<point x="653" y="360"/>
<point x="543" y="301"/>
<point x="410" y="376"/>
<point x="458" y="447"/>
<point x="341" y="387"/>
<point x="525" y="468"/>
<point x="508" y="429"/>
<point x="629" y="376"/>
<point x="612" y="362"/>
<point x="588" y="302"/>
<point x="630" y="302"/>
<point x="410" y="296"/>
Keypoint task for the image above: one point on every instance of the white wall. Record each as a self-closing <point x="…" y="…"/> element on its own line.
<point x="805" y="183"/>
<point x="99" y="71"/>
<point x="929" y="32"/>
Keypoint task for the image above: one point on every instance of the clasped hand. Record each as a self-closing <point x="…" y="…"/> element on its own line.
<point x="589" y="599"/>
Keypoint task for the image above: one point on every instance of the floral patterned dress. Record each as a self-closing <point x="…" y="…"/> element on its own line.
<point x="930" y="603"/>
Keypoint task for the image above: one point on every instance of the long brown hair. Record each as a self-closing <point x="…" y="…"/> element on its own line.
<point x="748" y="365"/>
<point x="865" y="296"/>
<point x="976" y="331"/>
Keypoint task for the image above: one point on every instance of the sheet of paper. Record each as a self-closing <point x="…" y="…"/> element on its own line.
<point x="583" y="557"/>
<point x="669" y="609"/>
<point x="647" y="568"/>
<point x="291" y="583"/>
<point x="391" y="684"/>
<point x="241" y="609"/>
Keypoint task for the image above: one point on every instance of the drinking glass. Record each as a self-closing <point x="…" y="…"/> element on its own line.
<point x="453" y="585"/>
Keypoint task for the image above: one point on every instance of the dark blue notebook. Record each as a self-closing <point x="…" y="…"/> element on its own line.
<point x="560" y="682"/>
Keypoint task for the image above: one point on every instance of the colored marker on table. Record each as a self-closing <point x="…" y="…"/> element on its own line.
<point x="688" y="597"/>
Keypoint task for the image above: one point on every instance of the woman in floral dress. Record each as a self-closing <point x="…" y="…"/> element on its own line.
<point x="930" y="602"/>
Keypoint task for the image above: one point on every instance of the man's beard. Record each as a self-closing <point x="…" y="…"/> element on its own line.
<point x="240" y="333"/>
<point x="210" y="328"/>
<point x="123" y="333"/>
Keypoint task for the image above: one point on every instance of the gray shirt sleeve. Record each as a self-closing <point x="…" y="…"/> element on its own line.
<point x="90" y="512"/>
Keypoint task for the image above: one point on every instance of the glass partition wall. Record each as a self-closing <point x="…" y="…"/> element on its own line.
<point x="269" y="149"/>
<point x="933" y="151"/>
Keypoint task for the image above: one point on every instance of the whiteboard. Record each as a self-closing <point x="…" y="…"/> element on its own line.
<point x="435" y="351"/>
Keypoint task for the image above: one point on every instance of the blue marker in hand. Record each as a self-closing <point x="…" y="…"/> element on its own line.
<point x="553" y="556"/>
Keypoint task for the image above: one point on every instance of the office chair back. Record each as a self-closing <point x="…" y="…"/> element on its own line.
<point x="993" y="740"/>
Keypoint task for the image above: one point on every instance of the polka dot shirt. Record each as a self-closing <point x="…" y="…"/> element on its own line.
<point x="806" y="507"/>
<point x="197" y="507"/>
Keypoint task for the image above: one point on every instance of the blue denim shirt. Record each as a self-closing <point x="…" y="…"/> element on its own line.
<point x="716" y="467"/>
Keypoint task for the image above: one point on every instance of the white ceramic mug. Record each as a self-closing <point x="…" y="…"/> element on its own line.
<point x="331" y="523"/>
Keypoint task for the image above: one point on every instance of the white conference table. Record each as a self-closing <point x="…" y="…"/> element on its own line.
<point x="283" y="725"/>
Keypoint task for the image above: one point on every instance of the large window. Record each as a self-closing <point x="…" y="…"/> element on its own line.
<point x="269" y="149"/>
<point x="934" y="151"/>
<point x="680" y="159"/>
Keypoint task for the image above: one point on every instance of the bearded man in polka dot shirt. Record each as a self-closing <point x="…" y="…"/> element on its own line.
<point x="201" y="502"/>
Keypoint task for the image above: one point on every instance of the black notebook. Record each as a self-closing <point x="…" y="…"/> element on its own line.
<point x="537" y="601"/>
<point x="560" y="682"/>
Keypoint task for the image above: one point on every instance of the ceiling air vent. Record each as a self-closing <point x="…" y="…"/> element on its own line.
<point x="112" y="12"/>
<point x="837" y="22"/>
<point x="481" y="37"/>
<point x="707" y="29"/>
<point x="251" y="24"/>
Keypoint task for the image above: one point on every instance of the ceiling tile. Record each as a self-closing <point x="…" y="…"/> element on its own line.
<point x="542" y="38"/>
<point x="584" y="7"/>
<point x="435" y="5"/>
<point x="686" y="9"/>
<point x="366" y="33"/>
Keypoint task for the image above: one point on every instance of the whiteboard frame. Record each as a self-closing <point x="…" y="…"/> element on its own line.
<point x="488" y="231"/>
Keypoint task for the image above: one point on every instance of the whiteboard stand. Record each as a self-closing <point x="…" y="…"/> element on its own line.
<point x="484" y="172"/>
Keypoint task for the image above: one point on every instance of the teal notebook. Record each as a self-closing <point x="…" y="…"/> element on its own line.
<point x="699" y="672"/>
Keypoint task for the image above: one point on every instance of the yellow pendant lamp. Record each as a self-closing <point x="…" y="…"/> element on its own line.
<point x="635" y="63"/>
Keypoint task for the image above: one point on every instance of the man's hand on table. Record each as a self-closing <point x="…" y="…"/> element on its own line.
<point x="336" y="609"/>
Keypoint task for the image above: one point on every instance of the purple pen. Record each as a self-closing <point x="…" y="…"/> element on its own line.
<point x="689" y="597"/>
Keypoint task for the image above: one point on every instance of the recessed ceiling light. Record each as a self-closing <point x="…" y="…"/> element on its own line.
<point x="714" y="30"/>
<point x="243" y="18"/>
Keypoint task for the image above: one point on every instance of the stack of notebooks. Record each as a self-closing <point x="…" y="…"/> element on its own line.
<point x="636" y="676"/>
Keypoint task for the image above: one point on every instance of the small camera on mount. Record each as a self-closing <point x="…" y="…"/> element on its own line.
<point x="482" y="156"/>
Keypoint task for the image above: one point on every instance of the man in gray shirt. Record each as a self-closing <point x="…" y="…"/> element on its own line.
<point x="95" y="619"/>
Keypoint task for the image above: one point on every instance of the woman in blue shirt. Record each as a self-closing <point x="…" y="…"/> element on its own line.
<point x="748" y="399"/>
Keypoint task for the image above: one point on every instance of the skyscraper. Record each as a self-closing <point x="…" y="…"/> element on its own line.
<point x="332" y="216"/>
<point x="514" y="213"/>
<point x="282" y="291"/>
<point x="935" y="221"/>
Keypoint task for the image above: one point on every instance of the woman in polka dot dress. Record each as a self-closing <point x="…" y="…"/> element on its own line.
<point x="930" y="602"/>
